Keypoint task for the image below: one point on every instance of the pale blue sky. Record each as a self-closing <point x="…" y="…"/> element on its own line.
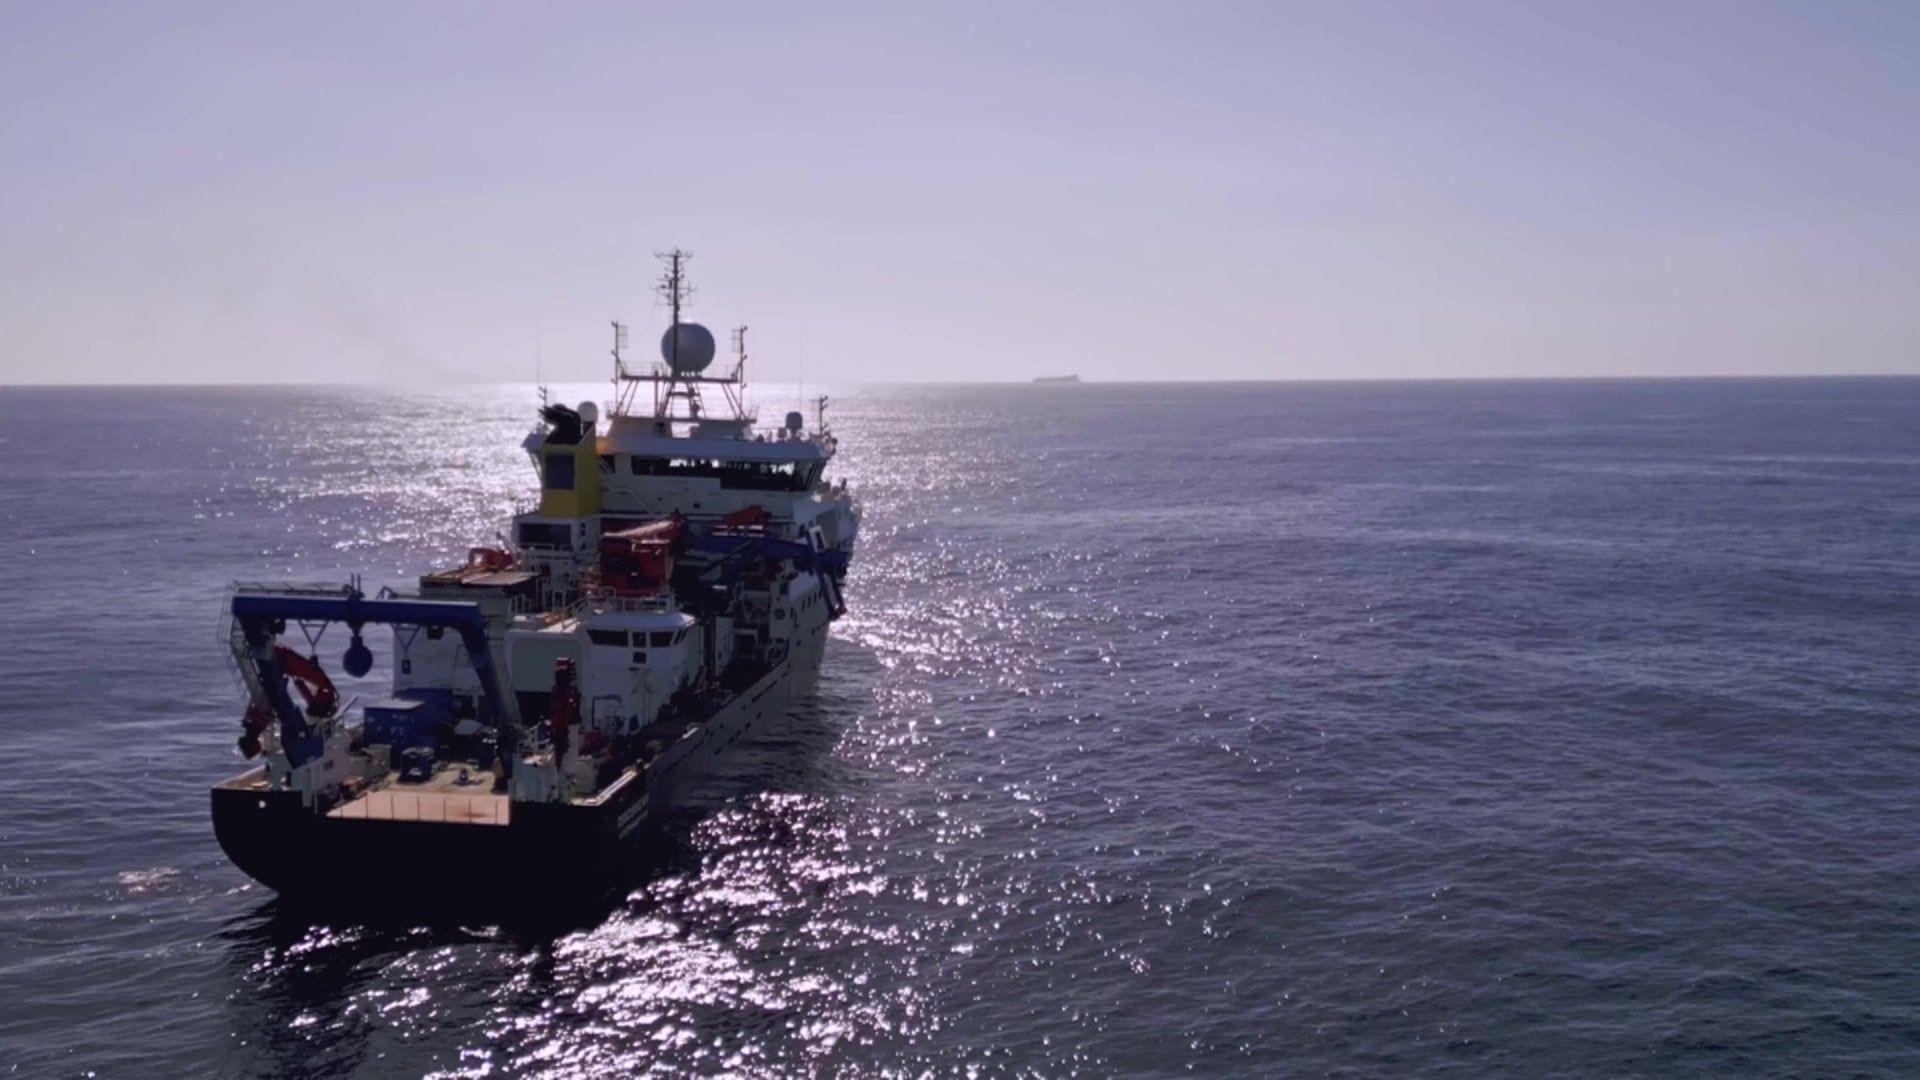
<point x="266" y="192"/>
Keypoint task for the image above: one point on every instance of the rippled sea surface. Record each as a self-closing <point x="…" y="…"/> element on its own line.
<point x="1255" y="729"/>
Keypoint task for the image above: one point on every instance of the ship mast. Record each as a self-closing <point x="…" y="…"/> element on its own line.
<point x="622" y="388"/>
<point x="736" y="390"/>
<point x="685" y="351"/>
<point x="673" y="288"/>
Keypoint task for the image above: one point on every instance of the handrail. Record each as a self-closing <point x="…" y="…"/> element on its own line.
<point x="607" y="600"/>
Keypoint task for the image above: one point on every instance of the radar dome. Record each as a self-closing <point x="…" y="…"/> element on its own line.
<point x="687" y="348"/>
<point x="795" y="421"/>
<point x="589" y="413"/>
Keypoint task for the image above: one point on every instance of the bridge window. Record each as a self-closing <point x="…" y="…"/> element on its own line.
<point x="615" y="638"/>
<point x="545" y="534"/>
<point x="662" y="638"/>
<point x="736" y="475"/>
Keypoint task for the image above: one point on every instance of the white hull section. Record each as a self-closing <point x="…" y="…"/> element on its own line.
<point x="767" y="701"/>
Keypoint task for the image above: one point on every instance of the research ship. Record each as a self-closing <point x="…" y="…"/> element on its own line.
<point x="671" y="590"/>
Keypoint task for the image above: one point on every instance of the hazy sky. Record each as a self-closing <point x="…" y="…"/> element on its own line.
<point x="267" y="192"/>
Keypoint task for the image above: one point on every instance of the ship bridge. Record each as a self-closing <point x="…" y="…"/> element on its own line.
<point x="677" y="439"/>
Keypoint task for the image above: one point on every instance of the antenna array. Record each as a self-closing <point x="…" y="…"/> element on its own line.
<point x="686" y="350"/>
<point x="673" y="287"/>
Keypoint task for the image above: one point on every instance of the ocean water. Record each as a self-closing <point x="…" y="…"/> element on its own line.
<point x="1517" y="728"/>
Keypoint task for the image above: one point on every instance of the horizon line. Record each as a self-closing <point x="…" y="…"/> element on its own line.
<point x="1081" y="381"/>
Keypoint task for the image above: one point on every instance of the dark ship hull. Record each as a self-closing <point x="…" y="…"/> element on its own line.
<point x="428" y="851"/>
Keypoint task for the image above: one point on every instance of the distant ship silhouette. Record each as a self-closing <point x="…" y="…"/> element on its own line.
<point x="1058" y="379"/>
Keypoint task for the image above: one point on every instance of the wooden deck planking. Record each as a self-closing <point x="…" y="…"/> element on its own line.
<point x="440" y="807"/>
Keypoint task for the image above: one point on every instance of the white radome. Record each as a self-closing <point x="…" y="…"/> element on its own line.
<point x="695" y="348"/>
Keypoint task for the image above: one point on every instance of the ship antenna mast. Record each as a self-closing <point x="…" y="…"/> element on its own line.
<point x="673" y="288"/>
<point x="736" y="392"/>
<point x="539" y="364"/>
<point x="622" y="393"/>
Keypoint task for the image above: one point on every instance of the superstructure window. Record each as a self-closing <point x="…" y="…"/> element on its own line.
<point x="616" y="638"/>
<point x="559" y="472"/>
<point x="662" y="638"/>
<point x="736" y="475"/>
<point x="545" y="534"/>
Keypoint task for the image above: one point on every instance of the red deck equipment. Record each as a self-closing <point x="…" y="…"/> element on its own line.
<point x="640" y="559"/>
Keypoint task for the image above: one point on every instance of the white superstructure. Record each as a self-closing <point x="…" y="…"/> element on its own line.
<point x="661" y="452"/>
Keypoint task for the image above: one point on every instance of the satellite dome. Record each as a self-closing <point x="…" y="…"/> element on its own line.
<point x="589" y="413"/>
<point x="687" y="348"/>
<point x="795" y="421"/>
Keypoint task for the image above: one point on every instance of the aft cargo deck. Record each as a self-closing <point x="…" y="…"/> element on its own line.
<point x="427" y="804"/>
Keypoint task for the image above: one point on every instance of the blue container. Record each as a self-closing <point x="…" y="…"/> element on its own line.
<point x="402" y="723"/>
<point x="441" y="701"/>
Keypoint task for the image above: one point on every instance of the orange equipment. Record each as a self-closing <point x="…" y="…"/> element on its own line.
<point x="747" y="517"/>
<point x="314" y="686"/>
<point x="640" y="559"/>
<point x="488" y="560"/>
